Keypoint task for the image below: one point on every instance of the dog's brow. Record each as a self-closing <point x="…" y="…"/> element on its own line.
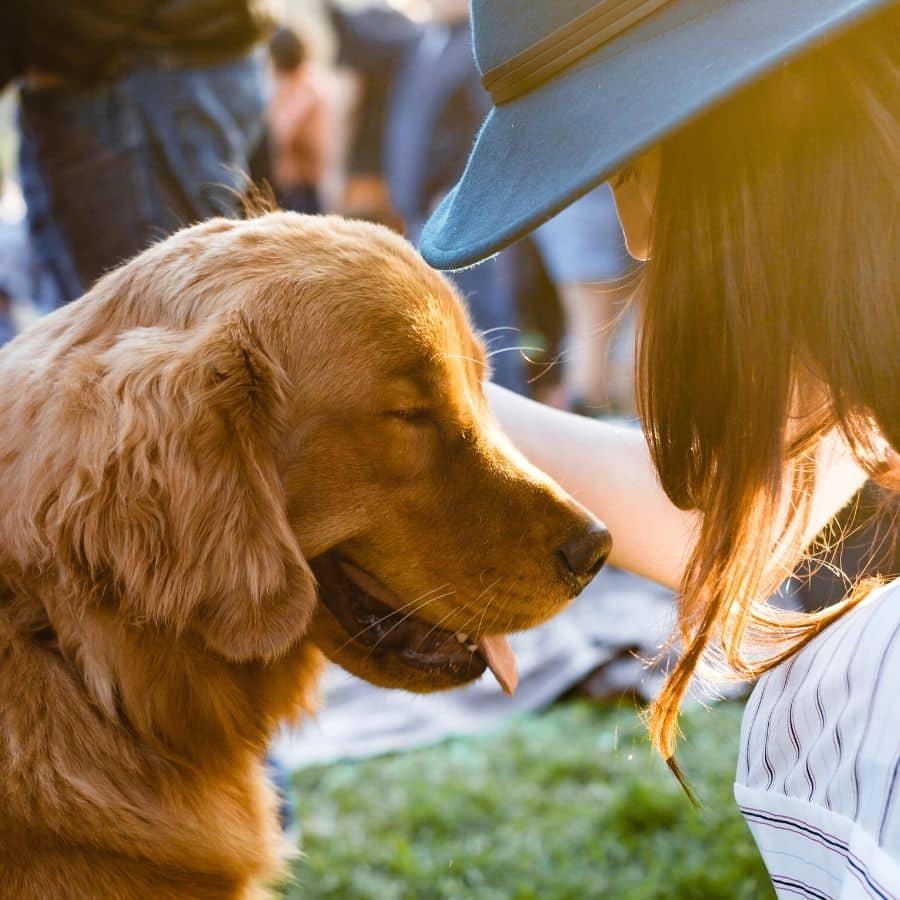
<point x="419" y="372"/>
<point x="477" y="360"/>
<point x="417" y="378"/>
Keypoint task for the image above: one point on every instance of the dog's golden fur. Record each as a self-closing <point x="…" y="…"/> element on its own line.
<point x="175" y="447"/>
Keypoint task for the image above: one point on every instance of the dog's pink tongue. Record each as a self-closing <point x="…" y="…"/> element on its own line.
<point x="501" y="661"/>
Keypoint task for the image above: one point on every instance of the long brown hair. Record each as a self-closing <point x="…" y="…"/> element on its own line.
<point x="770" y="319"/>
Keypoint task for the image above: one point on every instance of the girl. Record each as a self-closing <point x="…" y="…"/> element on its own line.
<point x="754" y="151"/>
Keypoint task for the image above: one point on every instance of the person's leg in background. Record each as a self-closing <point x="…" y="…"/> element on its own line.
<point x="584" y="253"/>
<point x="50" y="257"/>
<point x="591" y="310"/>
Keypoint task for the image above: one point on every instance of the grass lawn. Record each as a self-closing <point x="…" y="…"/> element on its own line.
<point x="567" y="805"/>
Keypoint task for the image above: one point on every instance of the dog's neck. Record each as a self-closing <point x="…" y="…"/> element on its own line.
<point x="175" y="696"/>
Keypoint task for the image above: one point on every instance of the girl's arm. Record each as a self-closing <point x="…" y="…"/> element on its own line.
<point x="608" y="469"/>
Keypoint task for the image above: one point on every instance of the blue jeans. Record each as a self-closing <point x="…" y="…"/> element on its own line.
<point x="108" y="170"/>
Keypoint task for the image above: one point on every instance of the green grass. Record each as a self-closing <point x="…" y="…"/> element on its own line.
<point x="566" y="805"/>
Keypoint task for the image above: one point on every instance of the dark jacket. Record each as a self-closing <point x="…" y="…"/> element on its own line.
<point x="87" y="41"/>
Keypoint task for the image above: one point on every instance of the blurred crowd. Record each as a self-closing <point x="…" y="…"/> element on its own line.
<point x="131" y="124"/>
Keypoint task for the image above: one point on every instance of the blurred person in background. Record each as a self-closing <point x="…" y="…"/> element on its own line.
<point x="419" y="112"/>
<point x="371" y="43"/>
<point x="135" y="119"/>
<point x="297" y="124"/>
<point x="583" y="250"/>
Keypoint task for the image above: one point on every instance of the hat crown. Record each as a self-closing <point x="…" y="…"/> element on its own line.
<point x="503" y="28"/>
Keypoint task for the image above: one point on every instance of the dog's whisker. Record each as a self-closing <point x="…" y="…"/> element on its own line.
<point x="410" y="614"/>
<point x="491" y="586"/>
<point x="463" y="357"/>
<point x="426" y="636"/>
<point x="486" y="607"/>
<point x="516" y="349"/>
<point x="547" y="366"/>
<point x="435" y="627"/>
<point x="499" y="328"/>
<point x="463" y="630"/>
<point x="465" y="625"/>
<point x="416" y="605"/>
<point x="393" y="612"/>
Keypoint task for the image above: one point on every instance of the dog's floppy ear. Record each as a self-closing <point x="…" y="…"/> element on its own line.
<point x="184" y="507"/>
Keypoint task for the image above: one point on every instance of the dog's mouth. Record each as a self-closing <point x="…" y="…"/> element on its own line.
<point x="376" y="619"/>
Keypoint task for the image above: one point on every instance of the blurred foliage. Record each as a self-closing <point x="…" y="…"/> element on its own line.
<point x="566" y="805"/>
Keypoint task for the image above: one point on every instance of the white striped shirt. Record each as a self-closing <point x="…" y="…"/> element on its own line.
<point x="817" y="779"/>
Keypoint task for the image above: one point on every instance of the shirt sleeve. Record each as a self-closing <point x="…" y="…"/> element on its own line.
<point x="813" y="852"/>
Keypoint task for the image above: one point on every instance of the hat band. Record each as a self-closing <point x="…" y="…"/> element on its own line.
<point x="564" y="47"/>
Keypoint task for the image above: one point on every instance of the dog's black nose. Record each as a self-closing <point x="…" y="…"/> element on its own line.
<point x="583" y="556"/>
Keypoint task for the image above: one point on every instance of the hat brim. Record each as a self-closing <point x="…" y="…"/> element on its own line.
<point x="539" y="153"/>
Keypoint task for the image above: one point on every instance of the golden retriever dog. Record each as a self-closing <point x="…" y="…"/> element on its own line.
<point x="255" y="445"/>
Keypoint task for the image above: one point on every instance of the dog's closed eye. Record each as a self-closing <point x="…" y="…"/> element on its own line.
<point x="413" y="416"/>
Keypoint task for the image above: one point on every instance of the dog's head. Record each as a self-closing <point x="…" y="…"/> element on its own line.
<point x="282" y="434"/>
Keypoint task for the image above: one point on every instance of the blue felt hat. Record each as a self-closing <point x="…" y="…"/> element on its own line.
<point x="581" y="86"/>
